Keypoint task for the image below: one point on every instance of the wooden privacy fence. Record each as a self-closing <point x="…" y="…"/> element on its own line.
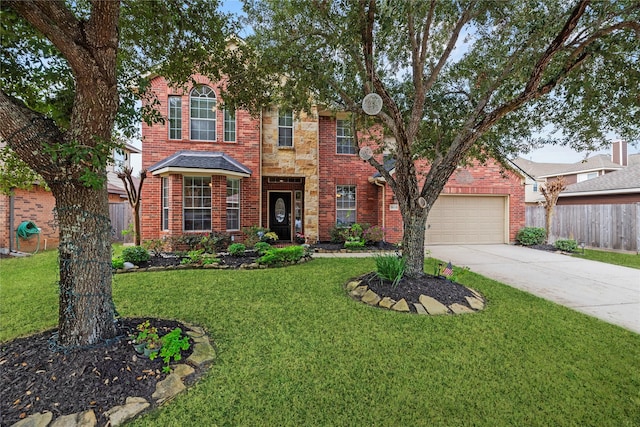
<point x="598" y="226"/>
<point x="121" y="216"/>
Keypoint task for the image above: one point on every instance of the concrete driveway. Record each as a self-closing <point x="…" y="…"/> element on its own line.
<point x="605" y="291"/>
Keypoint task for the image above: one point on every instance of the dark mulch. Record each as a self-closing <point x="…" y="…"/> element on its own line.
<point x="36" y="378"/>
<point x="232" y="261"/>
<point x="337" y="247"/>
<point x="439" y="288"/>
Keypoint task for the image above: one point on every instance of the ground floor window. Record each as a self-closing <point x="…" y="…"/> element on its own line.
<point x="233" y="204"/>
<point x="165" y="203"/>
<point x="345" y="205"/>
<point x="197" y="203"/>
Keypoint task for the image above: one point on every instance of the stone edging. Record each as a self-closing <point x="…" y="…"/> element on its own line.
<point x="246" y="266"/>
<point x="427" y="304"/>
<point x="202" y="356"/>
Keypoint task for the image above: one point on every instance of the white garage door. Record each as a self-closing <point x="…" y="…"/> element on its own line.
<point x="467" y="219"/>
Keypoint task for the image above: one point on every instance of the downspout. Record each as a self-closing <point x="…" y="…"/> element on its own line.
<point x="380" y="182"/>
<point x="260" y="169"/>
<point x="11" y="203"/>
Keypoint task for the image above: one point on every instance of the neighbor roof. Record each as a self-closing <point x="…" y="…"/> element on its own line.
<point x="543" y="170"/>
<point x="208" y="162"/>
<point x="626" y="180"/>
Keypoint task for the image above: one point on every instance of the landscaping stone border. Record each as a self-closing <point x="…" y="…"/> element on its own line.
<point x="427" y="304"/>
<point x="203" y="355"/>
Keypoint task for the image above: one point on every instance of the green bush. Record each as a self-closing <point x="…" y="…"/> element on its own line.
<point x="117" y="263"/>
<point x="354" y="243"/>
<point x="211" y="243"/>
<point x="390" y="267"/>
<point x="261" y="247"/>
<point x="135" y="255"/>
<point x="237" y="249"/>
<point x="336" y="235"/>
<point x="529" y="236"/>
<point x="568" y="245"/>
<point x="279" y="256"/>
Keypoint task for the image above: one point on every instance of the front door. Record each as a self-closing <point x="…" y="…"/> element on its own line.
<point x="280" y="214"/>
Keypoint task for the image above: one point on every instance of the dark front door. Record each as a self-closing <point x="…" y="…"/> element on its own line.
<point x="280" y="214"/>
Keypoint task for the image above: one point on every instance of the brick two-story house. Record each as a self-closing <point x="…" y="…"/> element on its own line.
<point x="213" y="168"/>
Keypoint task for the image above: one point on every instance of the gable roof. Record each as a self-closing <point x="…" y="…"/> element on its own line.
<point x="623" y="181"/>
<point x="544" y="170"/>
<point x="201" y="162"/>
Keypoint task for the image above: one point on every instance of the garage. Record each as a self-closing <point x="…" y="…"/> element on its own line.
<point x="468" y="220"/>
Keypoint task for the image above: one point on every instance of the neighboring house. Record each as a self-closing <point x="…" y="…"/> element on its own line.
<point x="121" y="159"/>
<point x="619" y="187"/>
<point x="216" y="169"/>
<point x="37" y="205"/>
<point x="590" y="168"/>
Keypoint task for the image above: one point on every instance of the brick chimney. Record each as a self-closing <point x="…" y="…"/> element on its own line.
<point x="619" y="153"/>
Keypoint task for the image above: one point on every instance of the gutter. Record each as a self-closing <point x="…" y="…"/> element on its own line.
<point x="600" y="192"/>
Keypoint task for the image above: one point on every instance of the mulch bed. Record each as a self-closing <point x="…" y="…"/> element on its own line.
<point x="37" y="378"/>
<point x="436" y="287"/>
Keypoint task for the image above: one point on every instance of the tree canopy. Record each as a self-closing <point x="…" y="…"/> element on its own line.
<point x="458" y="79"/>
<point x="72" y="72"/>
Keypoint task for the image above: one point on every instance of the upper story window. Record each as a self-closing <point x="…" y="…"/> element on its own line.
<point x="203" y="113"/>
<point x="229" y="125"/>
<point x="586" y="176"/>
<point x="175" y="117"/>
<point x="345" y="143"/>
<point x="119" y="160"/>
<point x="285" y="129"/>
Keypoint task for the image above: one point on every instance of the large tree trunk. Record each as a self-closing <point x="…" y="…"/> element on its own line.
<point x="413" y="241"/>
<point x="86" y="311"/>
<point x="65" y="158"/>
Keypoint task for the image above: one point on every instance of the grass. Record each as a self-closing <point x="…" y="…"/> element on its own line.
<point x="617" y="258"/>
<point x="294" y="350"/>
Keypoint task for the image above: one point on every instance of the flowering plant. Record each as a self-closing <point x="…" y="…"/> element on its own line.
<point x="374" y="234"/>
<point x="300" y="237"/>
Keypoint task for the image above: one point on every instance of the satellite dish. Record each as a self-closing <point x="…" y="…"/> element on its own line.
<point x="365" y="153"/>
<point x="372" y="104"/>
<point x="422" y="202"/>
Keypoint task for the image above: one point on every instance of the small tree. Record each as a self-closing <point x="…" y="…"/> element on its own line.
<point x="133" y="195"/>
<point x="551" y="191"/>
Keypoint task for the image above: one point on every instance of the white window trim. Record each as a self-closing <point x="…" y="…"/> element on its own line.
<point x="214" y="119"/>
<point x="185" y="208"/>
<point x="179" y="117"/>
<point x="345" y="137"/>
<point x="292" y="127"/>
<point x="237" y="208"/>
<point x="165" y="202"/>
<point x="224" y="127"/>
<point x="355" y="203"/>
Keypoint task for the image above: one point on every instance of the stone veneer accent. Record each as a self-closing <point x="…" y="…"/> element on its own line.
<point x="427" y="304"/>
<point x="202" y="356"/>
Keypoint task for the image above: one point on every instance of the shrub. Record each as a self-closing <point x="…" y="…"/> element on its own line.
<point x="173" y="344"/>
<point x="253" y="235"/>
<point x="261" y="247"/>
<point x="279" y="256"/>
<point x="237" y="249"/>
<point x="354" y="243"/>
<point x="117" y="263"/>
<point x="336" y="235"/>
<point x="154" y="246"/>
<point x="135" y="255"/>
<point x="568" y="245"/>
<point x="213" y="242"/>
<point x="529" y="236"/>
<point x="374" y="234"/>
<point x="390" y="267"/>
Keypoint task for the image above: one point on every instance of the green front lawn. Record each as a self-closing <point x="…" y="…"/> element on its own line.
<point x="618" y="258"/>
<point x="294" y="350"/>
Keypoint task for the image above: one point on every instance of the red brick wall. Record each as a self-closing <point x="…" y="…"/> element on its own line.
<point x="476" y="179"/>
<point x="35" y="205"/>
<point x="343" y="169"/>
<point x="157" y="146"/>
